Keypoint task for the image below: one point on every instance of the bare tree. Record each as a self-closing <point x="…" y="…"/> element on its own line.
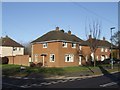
<point x="27" y="47"/>
<point x="94" y="36"/>
<point x="116" y="40"/>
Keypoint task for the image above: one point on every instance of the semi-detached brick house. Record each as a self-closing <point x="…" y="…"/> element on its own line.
<point x="57" y="49"/>
<point x="103" y="50"/>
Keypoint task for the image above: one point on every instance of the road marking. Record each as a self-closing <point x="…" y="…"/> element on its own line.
<point x="59" y="81"/>
<point x="71" y="79"/>
<point x="18" y="77"/>
<point x="25" y="78"/>
<point x="53" y="82"/>
<point x="108" y="84"/>
<point x="43" y="83"/>
<point x="79" y="79"/>
<point x="64" y="80"/>
<point x="47" y="83"/>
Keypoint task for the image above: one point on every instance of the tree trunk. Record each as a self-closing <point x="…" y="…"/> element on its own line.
<point x="119" y="53"/>
<point x="94" y="59"/>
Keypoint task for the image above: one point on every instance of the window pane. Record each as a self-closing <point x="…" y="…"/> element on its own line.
<point x="69" y="58"/>
<point x="44" y="45"/>
<point x="36" y="57"/>
<point x="52" y="57"/>
<point x="64" y="44"/>
<point x="73" y="45"/>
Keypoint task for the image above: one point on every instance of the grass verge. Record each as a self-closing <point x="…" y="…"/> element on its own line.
<point x="14" y="70"/>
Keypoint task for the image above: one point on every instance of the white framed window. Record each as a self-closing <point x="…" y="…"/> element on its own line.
<point x="45" y="45"/>
<point x="102" y="58"/>
<point x="36" y="57"/>
<point x="52" y="57"/>
<point x="64" y="44"/>
<point x="19" y="48"/>
<point x="106" y="56"/>
<point x="106" y="50"/>
<point x="102" y="49"/>
<point x="97" y="58"/>
<point x="80" y="47"/>
<point x="73" y="45"/>
<point x="69" y="58"/>
<point x="14" y="48"/>
<point x="86" y="58"/>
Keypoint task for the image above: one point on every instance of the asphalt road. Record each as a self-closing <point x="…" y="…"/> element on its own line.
<point x="104" y="81"/>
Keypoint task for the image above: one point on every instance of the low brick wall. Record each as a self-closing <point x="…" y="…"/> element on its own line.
<point x="19" y="60"/>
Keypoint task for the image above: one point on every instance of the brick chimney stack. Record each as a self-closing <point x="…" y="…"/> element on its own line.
<point x="90" y="36"/>
<point x="57" y="28"/>
<point x="103" y="38"/>
<point x="69" y="32"/>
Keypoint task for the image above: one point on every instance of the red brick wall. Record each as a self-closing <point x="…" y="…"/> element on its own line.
<point x="19" y="60"/>
<point x="99" y="53"/>
<point x="11" y="59"/>
<point x="57" y="49"/>
<point x="86" y="51"/>
<point x="68" y="50"/>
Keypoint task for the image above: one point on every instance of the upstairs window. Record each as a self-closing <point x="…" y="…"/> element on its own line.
<point x="106" y="50"/>
<point x="73" y="45"/>
<point x="52" y="57"/>
<point x="14" y="48"/>
<point x="64" y="44"/>
<point x="69" y="58"/>
<point x="19" y="48"/>
<point x="44" y="45"/>
<point x="102" y="49"/>
<point x="80" y="47"/>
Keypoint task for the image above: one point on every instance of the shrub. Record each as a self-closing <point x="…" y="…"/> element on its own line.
<point x="88" y="63"/>
<point x="32" y="64"/>
<point x="5" y="60"/>
<point x="39" y="64"/>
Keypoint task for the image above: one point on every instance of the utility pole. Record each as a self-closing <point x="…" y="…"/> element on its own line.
<point x="111" y="49"/>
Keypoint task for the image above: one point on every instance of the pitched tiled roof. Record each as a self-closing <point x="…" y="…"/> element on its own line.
<point x="100" y="43"/>
<point x="7" y="41"/>
<point x="58" y="35"/>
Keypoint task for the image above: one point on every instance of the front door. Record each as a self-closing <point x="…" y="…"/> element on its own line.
<point x="80" y="60"/>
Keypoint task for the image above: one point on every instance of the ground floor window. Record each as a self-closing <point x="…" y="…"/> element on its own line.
<point x="97" y="58"/>
<point x="86" y="58"/>
<point x="80" y="60"/>
<point x="52" y="57"/>
<point x="106" y="56"/>
<point x="102" y="57"/>
<point x="69" y="58"/>
<point x="36" y="57"/>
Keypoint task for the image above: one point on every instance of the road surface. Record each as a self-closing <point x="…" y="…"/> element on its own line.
<point x="104" y="81"/>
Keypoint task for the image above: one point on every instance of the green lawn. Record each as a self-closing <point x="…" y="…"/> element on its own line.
<point x="14" y="70"/>
<point x="77" y="68"/>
